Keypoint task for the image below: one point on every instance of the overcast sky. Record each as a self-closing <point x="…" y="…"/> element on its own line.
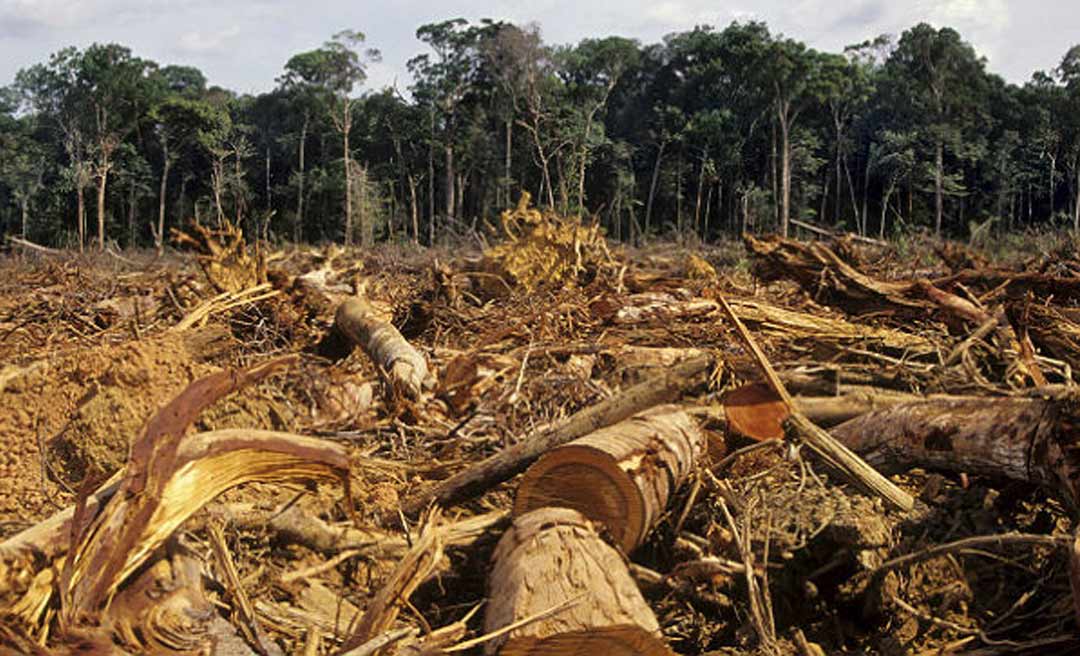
<point x="243" y="44"/>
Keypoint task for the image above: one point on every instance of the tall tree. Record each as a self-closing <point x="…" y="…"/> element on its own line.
<point x="114" y="86"/>
<point x="328" y="75"/>
<point x="937" y="78"/>
<point x="591" y="70"/>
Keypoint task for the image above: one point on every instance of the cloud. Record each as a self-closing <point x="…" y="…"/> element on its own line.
<point x="201" y="42"/>
<point x="242" y="44"/>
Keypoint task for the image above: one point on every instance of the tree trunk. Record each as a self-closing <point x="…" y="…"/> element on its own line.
<point x="1076" y="207"/>
<point x="1050" y="183"/>
<point x="81" y="218"/>
<point x="582" y="156"/>
<point x="621" y="476"/>
<point x="102" y="178"/>
<point x="773" y="175"/>
<point x="24" y="210"/>
<point x="217" y="181"/>
<point x="269" y="200"/>
<point x="345" y="126"/>
<point x="939" y="163"/>
<point x="1026" y="439"/>
<point x="697" y="200"/>
<point x="652" y="185"/>
<point x="298" y="226"/>
<point x="414" y="208"/>
<point x="506" y="165"/>
<point x="785" y="169"/>
<point x="431" y="184"/>
<point x="132" y="202"/>
<point x="159" y="236"/>
<point x="839" y="180"/>
<point x="866" y="194"/>
<point x="450" y="200"/>
<point x="885" y="209"/>
<point x="554" y="556"/>
<point x="854" y="203"/>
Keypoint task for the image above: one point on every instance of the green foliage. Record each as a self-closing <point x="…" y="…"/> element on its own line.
<point x="712" y="131"/>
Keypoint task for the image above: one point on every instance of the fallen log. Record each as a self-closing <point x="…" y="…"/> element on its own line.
<point x="403" y="365"/>
<point x="756" y="412"/>
<point x="664" y="388"/>
<point x="1025" y="439"/>
<point x="25" y="243"/>
<point x="553" y="557"/>
<point x="824" y="275"/>
<point x="620" y="476"/>
<point x="1015" y="284"/>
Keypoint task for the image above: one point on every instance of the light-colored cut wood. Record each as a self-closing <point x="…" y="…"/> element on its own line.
<point x="553" y="557"/>
<point x="621" y="476"/>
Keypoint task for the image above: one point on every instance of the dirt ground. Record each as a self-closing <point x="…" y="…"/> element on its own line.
<point x="90" y="348"/>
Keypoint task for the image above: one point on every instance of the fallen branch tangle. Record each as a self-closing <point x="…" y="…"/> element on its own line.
<point x="893" y="368"/>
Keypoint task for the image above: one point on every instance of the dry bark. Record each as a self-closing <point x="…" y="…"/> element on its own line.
<point x="553" y="557"/>
<point x="1026" y="439"/>
<point x="513" y="460"/>
<point x="621" y="476"/>
<point x="405" y="367"/>
<point x="789" y="324"/>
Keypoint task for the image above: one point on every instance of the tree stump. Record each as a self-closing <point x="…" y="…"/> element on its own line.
<point x="551" y="557"/>
<point x="621" y="476"/>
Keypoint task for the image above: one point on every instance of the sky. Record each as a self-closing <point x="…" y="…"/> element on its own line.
<point x="243" y="44"/>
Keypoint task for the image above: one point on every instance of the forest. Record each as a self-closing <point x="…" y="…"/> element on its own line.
<point x="711" y="132"/>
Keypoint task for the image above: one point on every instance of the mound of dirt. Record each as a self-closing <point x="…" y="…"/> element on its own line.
<point x="83" y="409"/>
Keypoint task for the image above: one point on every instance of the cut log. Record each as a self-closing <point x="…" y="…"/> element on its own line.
<point x="405" y="367"/>
<point x="553" y="557"/>
<point x="756" y="412"/>
<point x="1026" y="439"/>
<point x="664" y="388"/>
<point x="621" y="476"/>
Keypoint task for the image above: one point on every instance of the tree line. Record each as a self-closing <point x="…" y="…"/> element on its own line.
<point x="710" y="132"/>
